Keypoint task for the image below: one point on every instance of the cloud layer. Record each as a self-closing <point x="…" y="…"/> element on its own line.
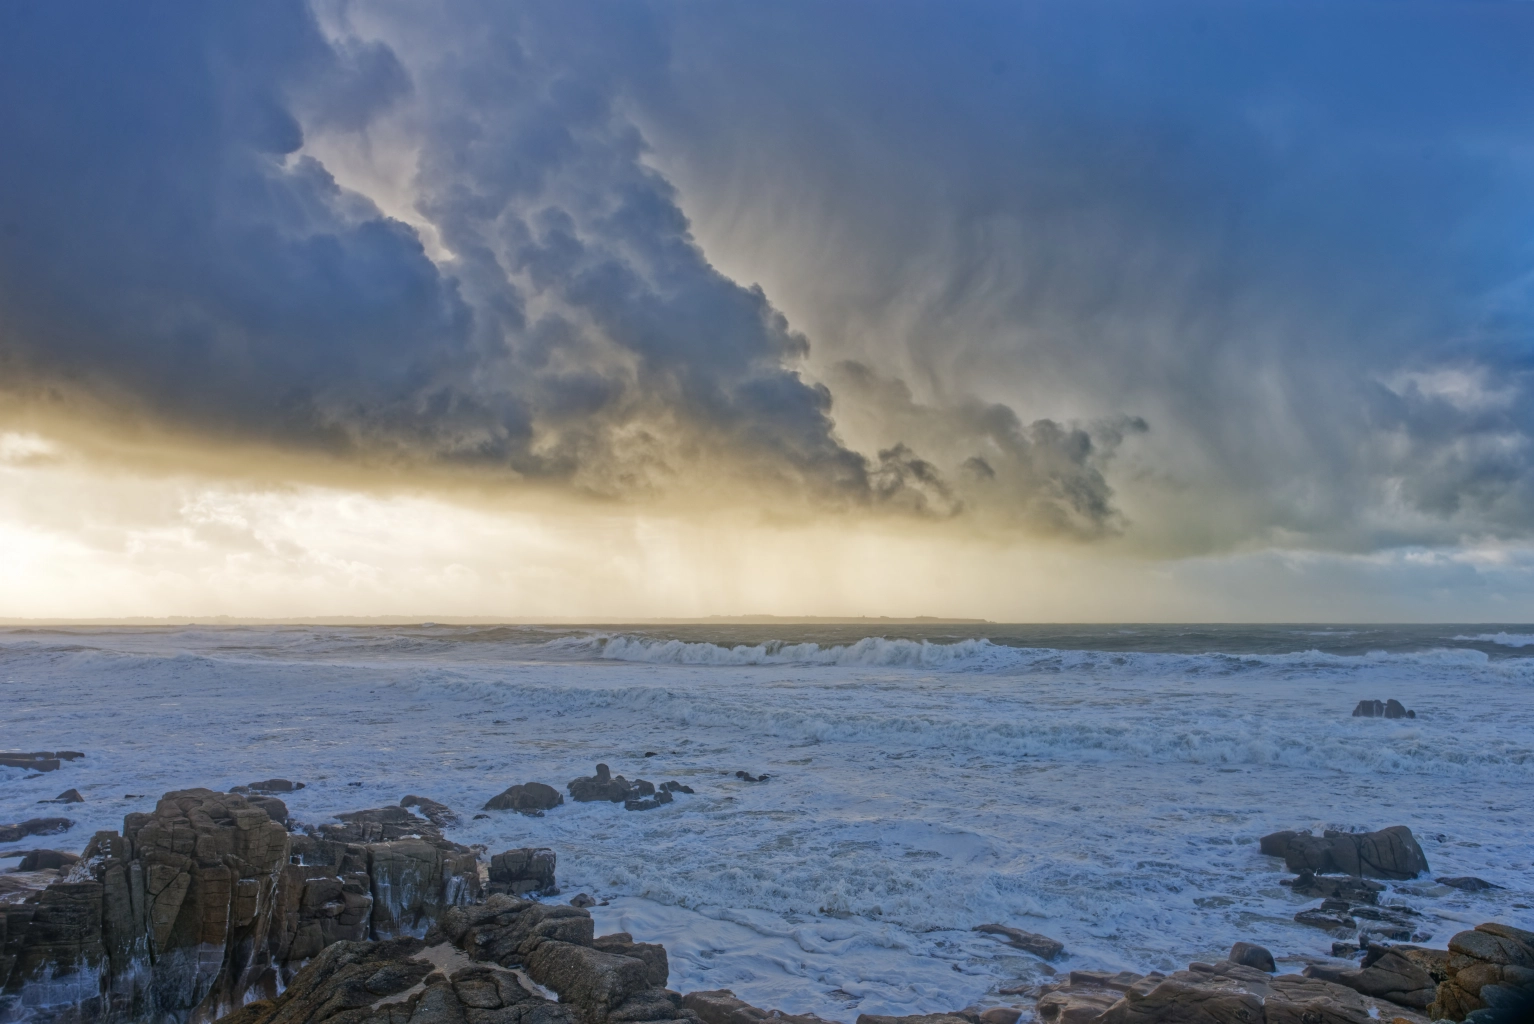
<point x="1196" y="277"/>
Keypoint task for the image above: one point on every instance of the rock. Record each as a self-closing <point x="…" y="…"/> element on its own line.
<point x="275" y="809"/>
<point x="915" y="1018"/>
<point x="1467" y="883"/>
<point x="652" y="954"/>
<point x="1000" y="1015"/>
<point x="720" y="1006"/>
<point x="1347" y="887"/>
<point x="1333" y="921"/>
<point x="748" y="777"/>
<point x="1086" y="995"/>
<point x="440" y="815"/>
<point x="595" y="980"/>
<point x="44" y="860"/>
<point x="69" y="796"/>
<point x="604" y="786"/>
<point x="34" y="827"/>
<point x="529" y="797"/>
<point x="1391" y="976"/>
<point x="36" y="760"/>
<point x="1039" y="945"/>
<point x="675" y="787"/>
<point x="523" y="871"/>
<point x="269" y="786"/>
<point x="1389" y="853"/>
<point x="1251" y="955"/>
<point x="1389" y="709"/>
<point x="1489" y="957"/>
<point x="582" y="899"/>
<point x="648" y="803"/>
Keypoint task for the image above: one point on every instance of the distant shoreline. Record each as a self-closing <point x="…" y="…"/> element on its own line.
<point x="456" y="620"/>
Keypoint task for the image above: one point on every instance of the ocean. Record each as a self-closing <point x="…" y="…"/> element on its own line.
<point x="1103" y="785"/>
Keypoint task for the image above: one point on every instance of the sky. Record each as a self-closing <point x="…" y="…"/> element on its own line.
<point x="1031" y="311"/>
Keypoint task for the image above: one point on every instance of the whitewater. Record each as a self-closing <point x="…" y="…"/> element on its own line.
<point x="1104" y="786"/>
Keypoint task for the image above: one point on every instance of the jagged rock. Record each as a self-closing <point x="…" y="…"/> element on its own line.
<point x="604" y="786"/>
<point x="1391" y="708"/>
<point x="648" y="803"/>
<point x="440" y="815"/>
<point x="1029" y="942"/>
<point x="1493" y="957"/>
<point x="1468" y="883"/>
<point x="720" y="1006"/>
<point x="69" y="796"/>
<point x="34" y="827"/>
<point x="1391" y="976"/>
<point x="43" y="860"/>
<point x="1251" y="955"/>
<point x="414" y="881"/>
<point x="651" y="954"/>
<point x="528" y="798"/>
<point x="522" y="871"/>
<point x="1346" y="887"/>
<point x="594" y="980"/>
<point x="275" y="809"/>
<point x="1389" y="853"/>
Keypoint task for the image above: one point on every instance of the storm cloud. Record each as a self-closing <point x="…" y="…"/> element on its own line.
<point x="1197" y="276"/>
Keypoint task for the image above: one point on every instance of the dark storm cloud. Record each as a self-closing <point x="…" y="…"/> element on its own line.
<point x="1293" y="240"/>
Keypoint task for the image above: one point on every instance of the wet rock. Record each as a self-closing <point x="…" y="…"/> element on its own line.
<point x="1041" y="946"/>
<point x="1389" y="853"/>
<point x="582" y="899"/>
<point x="69" y="796"/>
<point x="527" y="798"/>
<point x="1391" y="976"/>
<point x="1000" y="1015"/>
<point x="34" y="827"/>
<point x="269" y="786"/>
<point x="675" y="787"/>
<point x="1086" y="995"/>
<point x="648" y="803"/>
<point x="440" y="815"/>
<point x="1388" y="709"/>
<point x="1346" y="887"/>
<point x="1334" y="921"/>
<point x="720" y="1006"/>
<point x="1481" y="962"/>
<point x="594" y="980"/>
<point x="1251" y="955"/>
<point x="916" y="1018"/>
<point x="1468" y="883"/>
<point x="523" y="871"/>
<point x="748" y="777"/>
<point x="414" y="881"/>
<point x="44" y="860"/>
<point x="34" y="760"/>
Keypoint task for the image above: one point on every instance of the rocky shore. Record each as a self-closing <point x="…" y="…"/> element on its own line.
<point x="217" y="906"/>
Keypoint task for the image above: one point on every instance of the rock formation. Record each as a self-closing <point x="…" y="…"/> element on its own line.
<point x="37" y="760"/>
<point x="209" y="901"/>
<point x="1041" y="946"/>
<point x="34" y="827"/>
<point x="528" y="798"/>
<point x="1389" y="853"/>
<point x="1491" y="966"/>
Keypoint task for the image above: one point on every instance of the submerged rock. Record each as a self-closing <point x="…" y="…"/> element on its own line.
<point x="1346" y="887"/>
<point x="37" y="760"/>
<point x="1041" y="946"/>
<point x="440" y="815"/>
<point x="1389" y="853"/>
<point x="46" y="860"/>
<point x="1468" y="883"/>
<point x="720" y="1006"/>
<point x="34" y="827"/>
<point x="69" y="796"/>
<point x="268" y="786"/>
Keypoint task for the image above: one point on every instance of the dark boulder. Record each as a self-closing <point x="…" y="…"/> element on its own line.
<point x="1391" y="708"/>
<point x="602" y="786"/>
<point x="1391" y="977"/>
<point x="69" y="796"/>
<point x="648" y="803"/>
<point x="1251" y="955"/>
<point x="676" y="787"/>
<point x="39" y="761"/>
<point x="34" y="827"/>
<point x="748" y="777"/>
<point x="1389" y="853"/>
<point x="274" y="808"/>
<point x="527" y="798"/>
